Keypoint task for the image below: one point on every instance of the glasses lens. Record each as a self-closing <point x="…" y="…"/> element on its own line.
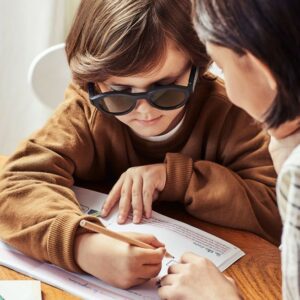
<point x="117" y="103"/>
<point x="168" y="98"/>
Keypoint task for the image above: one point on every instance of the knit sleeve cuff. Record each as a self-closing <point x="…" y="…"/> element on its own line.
<point x="61" y="239"/>
<point x="179" y="172"/>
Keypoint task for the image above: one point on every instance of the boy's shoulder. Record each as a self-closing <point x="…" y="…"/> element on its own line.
<point x="218" y="90"/>
<point x="75" y="92"/>
<point x="211" y="92"/>
<point x="76" y="101"/>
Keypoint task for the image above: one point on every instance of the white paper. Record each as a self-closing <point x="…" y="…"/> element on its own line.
<point x="177" y="236"/>
<point x="20" y="289"/>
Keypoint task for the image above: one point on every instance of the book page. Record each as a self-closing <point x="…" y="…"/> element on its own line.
<point x="177" y="236"/>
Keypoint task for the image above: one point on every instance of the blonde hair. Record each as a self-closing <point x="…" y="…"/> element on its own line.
<point x="126" y="37"/>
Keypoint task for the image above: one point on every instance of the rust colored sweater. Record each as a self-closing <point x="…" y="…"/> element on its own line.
<point x="217" y="165"/>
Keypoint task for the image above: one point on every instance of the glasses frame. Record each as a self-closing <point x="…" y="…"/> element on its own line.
<point x="97" y="98"/>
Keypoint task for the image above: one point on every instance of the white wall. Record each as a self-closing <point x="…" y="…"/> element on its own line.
<point x="26" y="28"/>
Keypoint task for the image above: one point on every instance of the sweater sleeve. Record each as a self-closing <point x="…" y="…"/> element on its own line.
<point x="40" y="214"/>
<point x="238" y="189"/>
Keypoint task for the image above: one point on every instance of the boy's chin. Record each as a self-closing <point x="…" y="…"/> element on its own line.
<point x="148" y="132"/>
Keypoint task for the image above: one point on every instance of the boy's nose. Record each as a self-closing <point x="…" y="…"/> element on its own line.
<point x="143" y="106"/>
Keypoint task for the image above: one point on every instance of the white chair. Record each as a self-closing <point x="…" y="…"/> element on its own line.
<point x="49" y="75"/>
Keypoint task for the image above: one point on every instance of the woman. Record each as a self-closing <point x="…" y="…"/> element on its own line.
<point x="256" y="44"/>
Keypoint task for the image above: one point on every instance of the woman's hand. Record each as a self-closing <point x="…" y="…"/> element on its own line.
<point x="116" y="262"/>
<point x="137" y="188"/>
<point x="197" y="278"/>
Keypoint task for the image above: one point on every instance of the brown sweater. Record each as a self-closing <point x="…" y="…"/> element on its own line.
<point x="217" y="165"/>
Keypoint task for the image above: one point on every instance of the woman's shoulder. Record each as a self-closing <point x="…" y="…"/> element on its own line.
<point x="288" y="196"/>
<point x="288" y="184"/>
<point x="292" y="164"/>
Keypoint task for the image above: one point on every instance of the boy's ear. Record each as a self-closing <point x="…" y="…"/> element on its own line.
<point x="264" y="69"/>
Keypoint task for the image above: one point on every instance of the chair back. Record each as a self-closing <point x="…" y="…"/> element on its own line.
<point x="49" y="75"/>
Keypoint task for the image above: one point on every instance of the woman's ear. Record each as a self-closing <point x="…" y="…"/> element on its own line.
<point x="264" y="70"/>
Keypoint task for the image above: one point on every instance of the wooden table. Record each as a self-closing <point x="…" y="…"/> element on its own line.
<point x="257" y="274"/>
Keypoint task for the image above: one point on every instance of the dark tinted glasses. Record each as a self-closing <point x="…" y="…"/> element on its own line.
<point x="165" y="97"/>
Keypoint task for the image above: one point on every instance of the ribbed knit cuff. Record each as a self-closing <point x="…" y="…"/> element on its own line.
<point x="179" y="172"/>
<point x="61" y="238"/>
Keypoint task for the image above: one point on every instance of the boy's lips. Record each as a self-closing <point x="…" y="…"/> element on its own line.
<point x="148" y="122"/>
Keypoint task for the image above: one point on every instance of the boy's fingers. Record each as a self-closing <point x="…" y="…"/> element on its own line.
<point x="137" y="203"/>
<point x="149" y="271"/>
<point x="153" y="257"/>
<point x="125" y="201"/>
<point x="156" y="243"/>
<point x="148" y="192"/>
<point x="112" y="198"/>
<point x="155" y="195"/>
<point x="151" y="240"/>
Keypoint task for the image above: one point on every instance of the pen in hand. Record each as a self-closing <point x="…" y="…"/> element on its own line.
<point x="119" y="236"/>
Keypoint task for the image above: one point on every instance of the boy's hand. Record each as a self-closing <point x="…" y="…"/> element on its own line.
<point x="197" y="278"/>
<point x="137" y="188"/>
<point x="116" y="262"/>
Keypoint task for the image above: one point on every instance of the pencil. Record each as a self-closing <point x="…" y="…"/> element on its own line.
<point x="118" y="236"/>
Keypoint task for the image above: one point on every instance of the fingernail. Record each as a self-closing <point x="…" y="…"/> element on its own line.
<point x="121" y="219"/>
<point x="103" y="212"/>
<point x="135" y="219"/>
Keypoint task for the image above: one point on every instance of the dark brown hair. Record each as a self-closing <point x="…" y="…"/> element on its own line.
<point x="123" y="38"/>
<point x="268" y="29"/>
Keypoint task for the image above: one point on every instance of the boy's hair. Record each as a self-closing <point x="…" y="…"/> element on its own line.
<point x="127" y="37"/>
<point x="267" y="29"/>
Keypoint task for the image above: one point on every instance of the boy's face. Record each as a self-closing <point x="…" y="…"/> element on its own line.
<point x="145" y="119"/>
<point x="250" y="85"/>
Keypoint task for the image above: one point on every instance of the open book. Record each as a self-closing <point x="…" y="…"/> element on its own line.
<point x="177" y="236"/>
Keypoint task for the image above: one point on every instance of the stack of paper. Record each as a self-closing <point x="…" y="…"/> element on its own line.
<point x="20" y="289"/>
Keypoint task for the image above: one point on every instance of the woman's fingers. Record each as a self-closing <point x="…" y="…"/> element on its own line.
<point x="168" y="280"/>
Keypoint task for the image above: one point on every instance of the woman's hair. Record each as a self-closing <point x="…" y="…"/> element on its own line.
<point x="127" y="37"/>
<point x="268" y="29"/>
